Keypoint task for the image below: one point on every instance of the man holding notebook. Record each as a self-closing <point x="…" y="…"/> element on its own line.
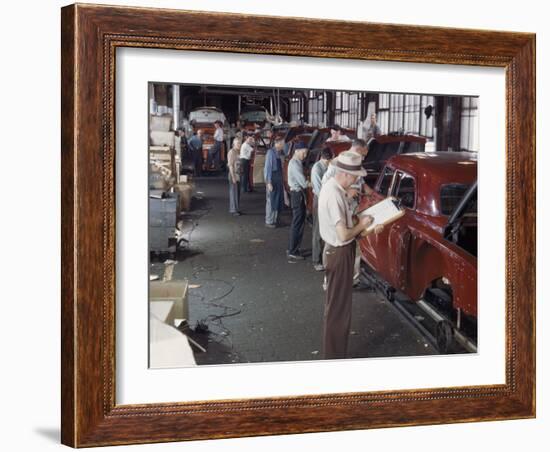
<point x="339" y="232"/>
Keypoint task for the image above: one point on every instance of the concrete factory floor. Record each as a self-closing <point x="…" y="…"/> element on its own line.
<point x="256" y="306"/>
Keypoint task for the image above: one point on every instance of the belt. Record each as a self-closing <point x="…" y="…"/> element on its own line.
<point x="329" y="247"/>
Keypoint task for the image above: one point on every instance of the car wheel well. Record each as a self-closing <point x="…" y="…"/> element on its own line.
<point x="439" y="293"/>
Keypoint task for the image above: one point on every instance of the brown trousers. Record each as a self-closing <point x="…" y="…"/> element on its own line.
<point x="339" y="263"/>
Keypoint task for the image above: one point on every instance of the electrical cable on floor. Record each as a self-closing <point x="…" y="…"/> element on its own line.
<point x="205" y="324"/>
<point x="195" y="220"/>
<point x="216" y="320"/>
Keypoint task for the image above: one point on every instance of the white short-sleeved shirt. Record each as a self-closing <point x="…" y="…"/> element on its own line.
<point x="333" y="208"/>
<point x="246" y="151"/>
<point x="218" y="134"/>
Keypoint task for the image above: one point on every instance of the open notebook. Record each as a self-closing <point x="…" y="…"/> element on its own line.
<point x="384" y="212"/>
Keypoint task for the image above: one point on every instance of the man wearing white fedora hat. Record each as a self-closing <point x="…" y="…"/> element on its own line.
<point x="339" y="232"/>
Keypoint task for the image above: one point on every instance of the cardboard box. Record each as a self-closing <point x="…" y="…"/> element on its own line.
<point x="168" y="347"/>
<point x="160" y="123"/>
<point x="162" y="138"/>
<point x="161" y="149"/>
<point x="173" y="291"/>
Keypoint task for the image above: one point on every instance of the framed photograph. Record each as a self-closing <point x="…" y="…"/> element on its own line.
<point x="208" y="290"/>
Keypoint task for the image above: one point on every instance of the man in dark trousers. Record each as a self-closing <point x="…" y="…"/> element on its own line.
<point x="317" y="173"/>
<point x="298" y="185"/>
<point x="247" y="150"/>
<point x="339" y="232"/>
<point x="214" y="153"/>
<point x="274" y="186"/>
<point x="195" y="147"/>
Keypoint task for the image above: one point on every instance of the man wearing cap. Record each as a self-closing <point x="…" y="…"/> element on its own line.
<point x="298" y="184"/>
<point x="339" y="232"/>
<point x="359" y="146"/>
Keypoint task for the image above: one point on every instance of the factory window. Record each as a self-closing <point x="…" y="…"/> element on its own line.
<point x="469" y="137"/>
<point x="405" y="113"/>
<point x="411" y="114"/>
<point x="316" y="108"/>
<point x="346" y="109"/>
<point x="344" y="120"/>
<point x="383" y="115"/>
<point x="295" y="109"/>
<point x="338" y="108"/>
<point x="354" y="107"/>
<point x="397" y="105"/>
<point x="427" y="124"/>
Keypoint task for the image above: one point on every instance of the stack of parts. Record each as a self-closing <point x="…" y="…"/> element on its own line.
<point x="162" y="220"/>
<point x="163" y="150"/>
<point x="160" y="133"/>
<point x="158" y="179"/>
<point x="165" y="159"/>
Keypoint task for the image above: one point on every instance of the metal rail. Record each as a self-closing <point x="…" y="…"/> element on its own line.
<point x="400" y="306"/>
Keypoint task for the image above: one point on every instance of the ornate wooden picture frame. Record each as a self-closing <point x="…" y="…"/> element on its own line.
<point x="90" y="37"/>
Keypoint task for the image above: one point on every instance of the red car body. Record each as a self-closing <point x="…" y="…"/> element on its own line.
<point x="415" y="253"/>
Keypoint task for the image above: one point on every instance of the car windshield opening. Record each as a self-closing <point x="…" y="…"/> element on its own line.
<point x="464" y="230"/>
<point x="450" y="196"/>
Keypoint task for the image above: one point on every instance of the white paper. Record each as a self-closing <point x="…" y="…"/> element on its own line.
<point x="382" y="212"/>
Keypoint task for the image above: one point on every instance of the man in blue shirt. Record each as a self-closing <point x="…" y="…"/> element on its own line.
<point x="298" y="185"/>
<point x="195" y="146"/>
<point x="273" y="175"/>
<point x="317" y="172"/>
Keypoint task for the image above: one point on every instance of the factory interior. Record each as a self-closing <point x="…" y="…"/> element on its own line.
<point x="223" y="289"/>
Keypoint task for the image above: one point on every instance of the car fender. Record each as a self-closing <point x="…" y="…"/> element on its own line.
<point x="425" y="264"/>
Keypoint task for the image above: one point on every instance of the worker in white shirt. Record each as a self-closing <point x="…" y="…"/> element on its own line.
<point x="247" y="149"/>
<point x="317" y="172"/>
<point x="339" y="233"/>
<point x="354" y="191"/>
<point x="215" y="151"/>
